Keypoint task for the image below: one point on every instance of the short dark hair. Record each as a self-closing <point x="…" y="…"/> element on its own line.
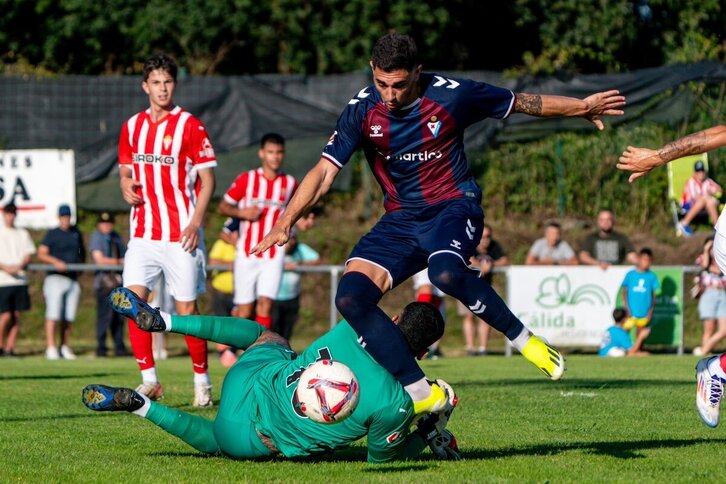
<point x="646" y="251"/>
<point x="274" y="138"/>
<point x="554" y="224"/>
<point x="395" y="51"/>
<point x="422" y="325"/>
<point x="619" y="314"/>
<point x="162" y="62"/>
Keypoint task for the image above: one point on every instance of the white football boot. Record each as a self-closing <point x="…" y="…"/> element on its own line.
<point x="708" y="393"/>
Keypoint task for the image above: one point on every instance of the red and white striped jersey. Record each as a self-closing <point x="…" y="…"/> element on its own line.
<point x="252" y="189"/>
<point x="165" y="157"/>
<point x="695" y="188"/>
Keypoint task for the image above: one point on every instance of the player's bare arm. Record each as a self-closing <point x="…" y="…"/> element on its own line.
<point x="248" y="213"/>
<point x="129" y="186"/>
<point x="591" y="108"/>
<point x="190" y="234"/>
<point x="315" y="184"/>
<point x="640" y="161"/>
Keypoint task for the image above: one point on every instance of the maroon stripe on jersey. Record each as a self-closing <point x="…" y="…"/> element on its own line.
<point x="380" y="148"/>
<point x="437" y="176"/>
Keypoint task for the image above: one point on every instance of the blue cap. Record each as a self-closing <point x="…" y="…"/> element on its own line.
<point x="699" y="166"/>
<point x="64" y="211"/>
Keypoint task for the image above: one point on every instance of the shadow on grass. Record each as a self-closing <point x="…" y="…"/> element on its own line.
<point x="618" y="449"/>
<point x="592" y="384"/>
<point x="55" y="376"/>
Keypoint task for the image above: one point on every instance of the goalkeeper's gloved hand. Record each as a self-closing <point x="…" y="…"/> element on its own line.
<point x="443" y="445"/>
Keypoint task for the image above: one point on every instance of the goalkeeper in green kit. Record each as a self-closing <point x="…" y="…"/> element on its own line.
<point x="257" y="417"/>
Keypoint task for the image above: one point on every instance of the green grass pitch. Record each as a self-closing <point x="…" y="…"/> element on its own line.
<point x="628" y="420"/>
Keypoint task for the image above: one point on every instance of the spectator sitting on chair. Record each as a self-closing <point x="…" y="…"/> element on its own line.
<point x="551" y="249"/>
<point x="701" y="193"/>
<point x="606" y="246"/>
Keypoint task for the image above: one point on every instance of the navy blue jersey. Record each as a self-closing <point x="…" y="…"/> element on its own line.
<point x="417" y="153"/>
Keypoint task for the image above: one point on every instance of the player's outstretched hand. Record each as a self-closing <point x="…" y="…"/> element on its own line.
<point x="639" y="161"/>
<point x="277" y="236"/>
<point x="603" y="104"/>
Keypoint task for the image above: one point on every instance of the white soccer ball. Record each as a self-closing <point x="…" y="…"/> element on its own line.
<point x="327" y="392"/>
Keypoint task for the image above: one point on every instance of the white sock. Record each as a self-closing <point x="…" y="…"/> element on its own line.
<point x="145" y="409"/>
<point x="714" y="366"/>
<point x="149" y="376"/>
<point x="202" y="379"/>
<point x="521" y="341"/>
<point x="167" y="320"/>
<point x="419" y="390"/>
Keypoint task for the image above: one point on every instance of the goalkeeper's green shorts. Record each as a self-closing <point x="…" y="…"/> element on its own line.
<point x="234" y="427"/>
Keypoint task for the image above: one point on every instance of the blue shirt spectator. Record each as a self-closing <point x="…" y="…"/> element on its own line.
<point x="640" y="287"/>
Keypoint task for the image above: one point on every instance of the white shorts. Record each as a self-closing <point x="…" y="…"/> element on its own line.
<point x="422" y="279"/>
<point x="61" y="298"/>
<point x="255" y="277"/>
<point x="185" y="272"/>
<point x="719" y="251"/>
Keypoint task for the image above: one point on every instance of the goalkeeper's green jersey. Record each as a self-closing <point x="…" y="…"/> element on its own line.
<point x="384" y="411"/>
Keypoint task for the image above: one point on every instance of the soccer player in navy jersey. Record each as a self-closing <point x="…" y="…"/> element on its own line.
<point x="410" y="125"/>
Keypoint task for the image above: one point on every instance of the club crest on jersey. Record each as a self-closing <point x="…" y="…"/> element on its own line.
<point x="376" y="131"/>
<point x="434" y="126"/>
<point x="167" y="141"/>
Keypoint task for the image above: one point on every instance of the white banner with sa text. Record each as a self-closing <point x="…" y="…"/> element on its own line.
<point x="38" y="182"/>
<point x="568" y="306"/>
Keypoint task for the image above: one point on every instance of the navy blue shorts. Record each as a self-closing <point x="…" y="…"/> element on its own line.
<point x="401" y="242"/>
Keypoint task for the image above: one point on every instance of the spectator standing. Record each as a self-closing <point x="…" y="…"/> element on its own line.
<point x="16" y="250"/>
<point x="712" y="301"/>
<point x="61" y="246"/>
<point x="107" y="248"/>
<point x="489" y="254"/>
<point x="286" y="307"/>
<point x="551" y="249"/>
<point x="700" y="193"/>
<point x="616" y="341"/>
<point x="166" y="165"/>
<point x="606" y="246"/>
<point x="638" y="289"/>
<point x="258" y="197"/>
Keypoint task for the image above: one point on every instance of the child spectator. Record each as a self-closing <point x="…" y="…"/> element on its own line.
<point x="639" y="288"/>
<point x="616" y="341"/>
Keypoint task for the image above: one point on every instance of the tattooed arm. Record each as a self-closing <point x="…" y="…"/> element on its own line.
<point x="591" y="108"/>
<point x="641" y="160"/>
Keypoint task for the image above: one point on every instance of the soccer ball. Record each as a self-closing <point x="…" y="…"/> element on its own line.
<point x="327" y="392"/>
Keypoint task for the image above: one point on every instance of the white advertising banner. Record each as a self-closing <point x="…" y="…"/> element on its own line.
<point x="38" y="182"/>
<point x="569" y="306"/>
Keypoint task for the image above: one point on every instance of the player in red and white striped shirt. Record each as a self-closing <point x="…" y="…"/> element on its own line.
<point x="166" y="163"/>
<point x="258" y="198"/>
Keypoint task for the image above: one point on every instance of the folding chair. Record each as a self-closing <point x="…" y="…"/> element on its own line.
<point x="679" y="171"/>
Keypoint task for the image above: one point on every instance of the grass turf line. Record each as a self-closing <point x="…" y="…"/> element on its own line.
<point x="607" y="420"/>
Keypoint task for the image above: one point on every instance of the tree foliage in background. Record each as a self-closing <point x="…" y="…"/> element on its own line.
<point x="331" y="36"/>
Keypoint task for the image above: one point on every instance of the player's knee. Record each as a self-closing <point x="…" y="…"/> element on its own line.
<point x="356" y="292"/>
<point x="446" y="272"/>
